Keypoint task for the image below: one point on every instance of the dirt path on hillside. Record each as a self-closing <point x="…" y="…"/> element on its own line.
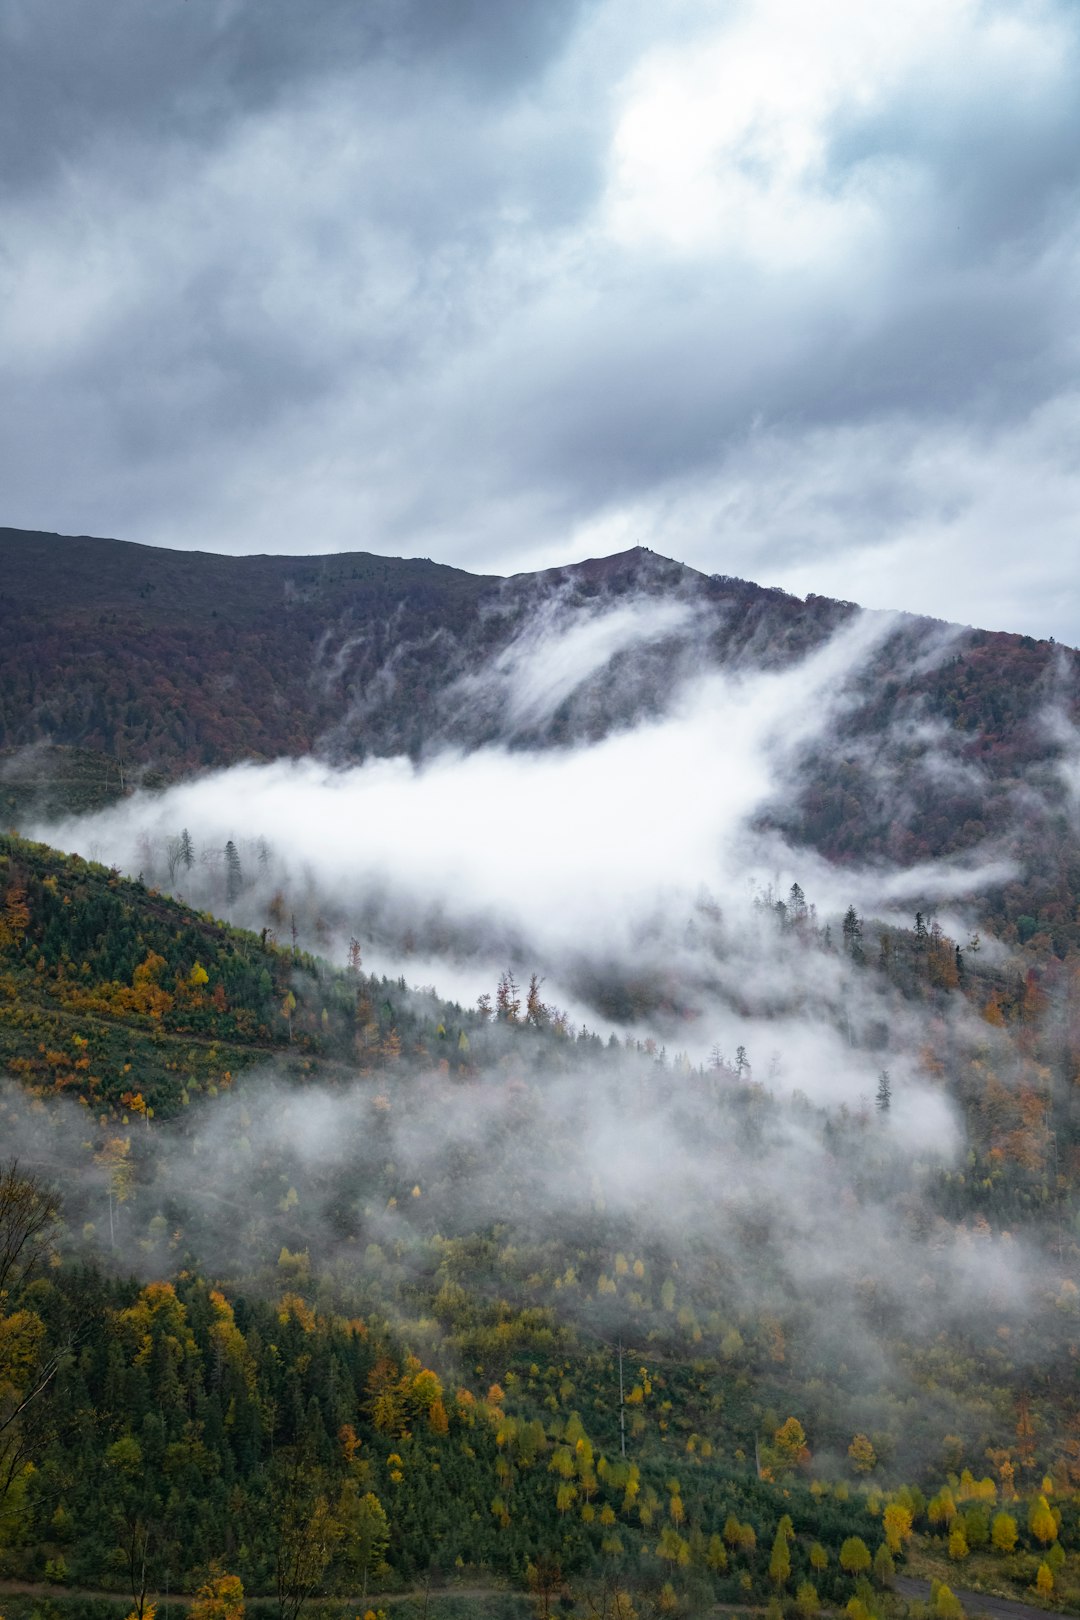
<point x="998" y="1608"/>
<point x="381" y="1600"/>
<point x="183" y="1600"/>
<point x="43" y="1589"/>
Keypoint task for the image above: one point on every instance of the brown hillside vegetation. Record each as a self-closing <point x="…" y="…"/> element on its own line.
<point x="158" y="661"/>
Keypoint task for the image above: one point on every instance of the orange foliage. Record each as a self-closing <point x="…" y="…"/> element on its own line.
<point x="398" y="1398"/>
<point x="294" y="1308"/>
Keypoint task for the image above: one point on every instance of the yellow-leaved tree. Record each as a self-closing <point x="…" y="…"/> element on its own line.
<point x="1003" y="1532"/>
<point x="862" y="1455"/>
<point x="896" y="1522"/>
<point x="855" y="1556"/>
<point x="1042" y="1522"/>
<point x="220" y="1597"/>
<point x="780" y="1560"/>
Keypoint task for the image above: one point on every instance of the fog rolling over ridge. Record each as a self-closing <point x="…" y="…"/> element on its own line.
<point x="632" y="858"/>
<point x="540" y="810"/>
<point x="758" y="1157"/>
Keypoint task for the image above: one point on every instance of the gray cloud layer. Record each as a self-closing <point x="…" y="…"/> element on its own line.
<point x="785" y="296"/>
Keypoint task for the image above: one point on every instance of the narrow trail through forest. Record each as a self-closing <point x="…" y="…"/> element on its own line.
<point x="908" y="1586"/>
<point x="183" y="1600"/>
<point x="999" y="1608"/>
<point x="382" y="1600"/>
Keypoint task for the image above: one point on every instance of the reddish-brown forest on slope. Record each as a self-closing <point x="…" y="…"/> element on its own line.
<point x="155" y="663"/>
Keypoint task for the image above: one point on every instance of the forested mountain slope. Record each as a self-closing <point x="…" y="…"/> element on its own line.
<point x="160" y="662"/>
<point x="111" y="992"/>
<point x="346" y="1268"/>
<point x="177" y="659"/>
<point x="180" y="660"/>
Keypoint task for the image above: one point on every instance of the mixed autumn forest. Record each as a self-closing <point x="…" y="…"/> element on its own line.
<point x="722" y="1247"/>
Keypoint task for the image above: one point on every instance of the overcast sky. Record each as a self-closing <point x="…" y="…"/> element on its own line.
<point x="782" y="290"/>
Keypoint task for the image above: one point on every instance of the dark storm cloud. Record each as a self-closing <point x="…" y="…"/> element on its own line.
<point x="74" y="75"/>
<point x="509" y="284"/>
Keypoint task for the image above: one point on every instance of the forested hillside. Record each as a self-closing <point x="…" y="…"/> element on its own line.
<point x="751" y="1282"/>
<point x="109" y="989"/>
<point x="539" y="1092"/>
<point x="157" y="663"/>
<point x="342" y="1268"/>
<point x="175" y="661"/>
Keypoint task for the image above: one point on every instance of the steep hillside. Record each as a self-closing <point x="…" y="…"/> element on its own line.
<point x="163" y="662"/>
<point x="48" y="779"/>
<point x="392" y="1285"/>
<point x="110" y="991"/>
<point x="177" y="660"/>
<point x="181" y="660"/>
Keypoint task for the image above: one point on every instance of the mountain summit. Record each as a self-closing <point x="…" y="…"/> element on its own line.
<point x="167" y="662"/>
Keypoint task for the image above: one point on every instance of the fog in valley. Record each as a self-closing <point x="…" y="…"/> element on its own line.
<point x="759" y="1126"/>
<point x="637" y="857"/>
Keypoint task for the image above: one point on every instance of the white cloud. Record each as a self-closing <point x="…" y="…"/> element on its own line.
<point x="556" y="654"/>
<point x="722" y="143"/>
<point x="635" y="858"/>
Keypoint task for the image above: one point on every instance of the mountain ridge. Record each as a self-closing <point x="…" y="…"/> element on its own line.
<point x="311" y="565"/>
<point x="943" y="741"/>
<point x="113" y="649"/>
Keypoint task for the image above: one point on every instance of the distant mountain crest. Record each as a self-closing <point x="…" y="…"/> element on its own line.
<point x="152" y="660"/>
